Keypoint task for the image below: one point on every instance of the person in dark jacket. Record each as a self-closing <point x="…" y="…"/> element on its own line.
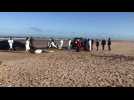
<point x="86" y="44"/>
<point x="103" y="43"/>
<point x="78" y="45"/>
<point x="109" y="44"/>
<point x="97" y="44"/>
<point x="32" y="48"/>
<point x="92" y="41"/>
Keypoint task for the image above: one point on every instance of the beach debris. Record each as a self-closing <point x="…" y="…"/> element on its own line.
<point x="38" y="51"/>
<point x="51" y="51"/>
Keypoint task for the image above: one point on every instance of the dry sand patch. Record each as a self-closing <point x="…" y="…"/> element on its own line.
<point x="68" y="68"/>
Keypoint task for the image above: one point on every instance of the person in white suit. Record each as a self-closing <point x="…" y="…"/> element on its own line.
<point x="10" y="41"/>
<point x="61" y="44"/>
<point x="69" y="44"/>
<point x="90" y="44"/>
<point x="27" y="45"/>
<point x="49" y="43"/>
<point x="52" y="44"/>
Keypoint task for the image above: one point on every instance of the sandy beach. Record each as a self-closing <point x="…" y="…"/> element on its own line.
<point x="64" y="68"/>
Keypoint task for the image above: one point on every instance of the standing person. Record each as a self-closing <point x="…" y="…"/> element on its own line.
<point x="109" y="44"/>
<point x="10" y="41"/>
<point x="78" y="45"/>
<point x="61" y="44"/>
<point x="31" y="44"/>
<point x="49" y="43"/>
<point x="86" y="44"/>
<point x="69" y="44"/>
<point x="90" y="44"/>
<point x="103" y="43"/>
<point x="27" y="45"/>
<point x="97" y="44"/>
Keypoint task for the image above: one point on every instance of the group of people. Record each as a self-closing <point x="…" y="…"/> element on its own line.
<point x="89" y="43"/>
<point x="52" y="43"/>
<point x="11" y="42"/>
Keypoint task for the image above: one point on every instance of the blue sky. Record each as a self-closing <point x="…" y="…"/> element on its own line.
<point x="118" y="25"/>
